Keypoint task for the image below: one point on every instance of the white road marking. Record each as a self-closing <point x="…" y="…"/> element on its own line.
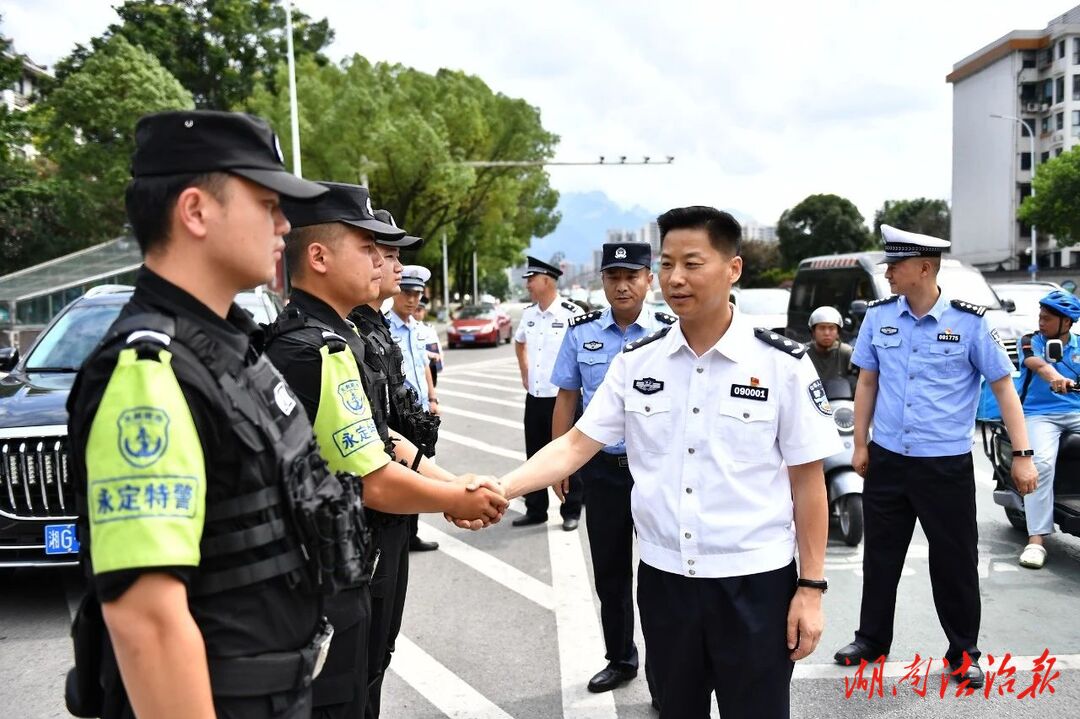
<point x="450" y="694"/>
<point x="495" y="569"/>
<point x="516" y="390"/>
<point x="476" y="398"/>
<point x="482" y="446"/>
<point x="512" y="423"/>
<point x="581" y="643"/>
<point x="899" y="669"/>
<point x="488" y="374"/>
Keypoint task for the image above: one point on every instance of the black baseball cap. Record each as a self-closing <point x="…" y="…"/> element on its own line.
<point x="188" y="142"/>
<point x="405" y="241"/>
<point x="348" y="204"/>
<point x="631" y="255"/>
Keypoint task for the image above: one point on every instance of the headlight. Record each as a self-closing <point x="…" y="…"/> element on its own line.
<point x="845" y="420"/>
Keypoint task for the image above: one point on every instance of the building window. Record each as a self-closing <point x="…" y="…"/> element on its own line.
<point x="1059" y="86"/>
<point x="1046" y="57"/>
<point x="1061" y="48"/>
<point x="1076" y="51"/>
<point x="1025" y="190"/>
<point x="1076" y="123"/>
<point x="1027" y="57"/>
<point x="1044" y="158"/>
<point x="1076" y="87"/>
<point x="1025" y="161"/>
<point x="1046" y="124"/>
<point x="1059" y="121"/>
<point x="1057" y="152"/>
<point x="1048" y="92"/>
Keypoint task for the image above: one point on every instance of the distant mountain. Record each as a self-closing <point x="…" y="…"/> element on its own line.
<point x="586" y="218"/>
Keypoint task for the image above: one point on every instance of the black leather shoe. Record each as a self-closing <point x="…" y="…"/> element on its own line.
<point x="975" y="677"/>
<point x="569" y="524"/>
<point x="418" y="545"/>
<point x="610" y="677"/>
<point x="527" y="520"/>
<point x="857" y="651"/>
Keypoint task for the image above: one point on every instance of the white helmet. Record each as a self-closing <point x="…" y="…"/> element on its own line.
<point x="826" y="314"/>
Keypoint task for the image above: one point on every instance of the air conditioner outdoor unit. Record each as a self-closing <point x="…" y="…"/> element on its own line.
<point x="1058" y="137"/>
<point x="1045" y="107"/>
<point x="1031" y="107"/>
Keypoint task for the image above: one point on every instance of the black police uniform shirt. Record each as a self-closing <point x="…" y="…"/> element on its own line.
<point x="275" y="616"/>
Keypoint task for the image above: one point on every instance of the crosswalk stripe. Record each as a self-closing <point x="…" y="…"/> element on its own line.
<point x="450" y="694"/>
<point x="512" y="423"/>
<point x="482" y="446"/>
<point x="513" y="382"/>
<point x="518" y="390"/>
<point x="505" y="574"/>
<point x="477" y="398"/>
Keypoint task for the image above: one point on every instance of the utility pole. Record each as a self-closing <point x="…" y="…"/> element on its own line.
<point x="1034" y="267"/>
<point x="294" y="112"/>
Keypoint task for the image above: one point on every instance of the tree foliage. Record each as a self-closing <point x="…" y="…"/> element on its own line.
<point x="87" y="128"/>
<point x="408" y="132"/>
<point x="1055" y="205"/>
<point x="761" y="264"/>
<point x="218" y="49"/>
<point x="821" y="225"/>
<point x="14" y="132"/>
<point x="921" y="215"/>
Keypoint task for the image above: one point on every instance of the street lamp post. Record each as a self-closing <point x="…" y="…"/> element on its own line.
<point x="1031" y="138"/>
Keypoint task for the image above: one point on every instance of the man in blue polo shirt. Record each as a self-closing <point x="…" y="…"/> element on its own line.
<point x="590" y="343"/>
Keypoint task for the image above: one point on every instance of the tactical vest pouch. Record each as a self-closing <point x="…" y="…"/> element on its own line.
<point x="83" y="693"/>
<point x="419" y="427"/>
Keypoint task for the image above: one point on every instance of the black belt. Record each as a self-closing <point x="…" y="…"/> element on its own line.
<point x="614" y="460"/>
<point x="261" y="675"/>
<point x="376" y="518"/>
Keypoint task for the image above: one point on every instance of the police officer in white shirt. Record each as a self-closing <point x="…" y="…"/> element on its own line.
<point x="725" y="429"/>
<point x="537" y="342"/>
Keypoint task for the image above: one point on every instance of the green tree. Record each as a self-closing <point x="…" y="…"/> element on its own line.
<point x="88" y="131"/>
<point x="758" y="258"/>
<point x="921" y="215"/>
<point x="495" y="283"/>
<point x="32" y="229"/>
<point x="218" y="49"/>
<point x="821" y="225"/>
<point x="1055" y="205"/>
<point x="14" y="133"/>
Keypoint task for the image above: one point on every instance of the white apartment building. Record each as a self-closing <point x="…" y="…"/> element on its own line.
<point x="762" y="233"/>
<point x="1033" y="75"/>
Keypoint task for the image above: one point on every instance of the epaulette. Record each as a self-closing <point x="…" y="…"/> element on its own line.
<point x="666" y="318"/>
<point x="793" y="348"/>
<point x="571" y="306"/>
<point x="587" y="317"/>
<point x="882" y="301"/>
<point x="974" y="309"/>
<point x="646" y="340"/>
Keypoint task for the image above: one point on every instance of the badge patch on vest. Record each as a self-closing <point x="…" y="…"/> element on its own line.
<point x="817" y="394"/>
<point x="648" y="385"/>
<point x="593" y="346"/>
<point x="355" y="436"/>
<point x="747" y="391"/>
<point x="284" y="400"/>
<point x="947" y="336"/>
<point x="889" y="330"/>
<point x="144" y="435"/>
<point x="352" y="396"/>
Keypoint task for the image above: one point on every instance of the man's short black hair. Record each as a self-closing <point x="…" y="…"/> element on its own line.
<point x="150" y="202"/>
<point x="299" y="239"/>
<point x="724" y="231"/>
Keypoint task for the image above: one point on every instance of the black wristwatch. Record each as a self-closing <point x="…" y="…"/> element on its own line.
<point x="1023" y="453"/>
<point x="822" y="584"/>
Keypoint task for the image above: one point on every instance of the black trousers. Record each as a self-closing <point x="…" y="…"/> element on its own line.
<point x="341" y="689"/>
<point x="611" y="543"/>
<point x="727" y="635"/>
<point x="538" y="412"/>
<point x="388" y="587"/>
<point x="940" y="493"/>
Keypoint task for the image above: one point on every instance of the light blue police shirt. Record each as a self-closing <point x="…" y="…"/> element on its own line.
<point x="588" y="347"/>
<point x="1039" y="399"/>
<point x="928" y="386"/>
<point x="410" y="339"/>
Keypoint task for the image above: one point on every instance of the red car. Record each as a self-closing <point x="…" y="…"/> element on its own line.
<point x="478" y="324"/>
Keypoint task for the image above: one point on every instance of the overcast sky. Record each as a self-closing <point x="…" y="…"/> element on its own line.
<point x="761" y="104"/>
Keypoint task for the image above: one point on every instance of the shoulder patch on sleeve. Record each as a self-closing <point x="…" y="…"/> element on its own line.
<point x="963" y="306"/>
<point x="647" y="339"/>
<point x="883" y="301"/>
<point x="793" y="348"/>
<point x="587" y="317"/>
<point x="666" y="318"/>
<point x="574" y="309"/>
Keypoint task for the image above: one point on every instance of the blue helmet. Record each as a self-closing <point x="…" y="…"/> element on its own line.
<point x="1063" y="304"/>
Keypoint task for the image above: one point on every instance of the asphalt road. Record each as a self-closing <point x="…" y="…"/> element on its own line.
<point x="503" y="623"/>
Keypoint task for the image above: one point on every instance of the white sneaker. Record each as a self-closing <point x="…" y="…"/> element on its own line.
<point x="1033" y="556"/>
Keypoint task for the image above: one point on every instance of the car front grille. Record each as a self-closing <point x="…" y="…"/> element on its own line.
<point x="1010" y="347"/>
<point x="34" y="479"/>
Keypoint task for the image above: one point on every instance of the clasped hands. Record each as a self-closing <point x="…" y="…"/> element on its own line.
<point x="481" y="505"/>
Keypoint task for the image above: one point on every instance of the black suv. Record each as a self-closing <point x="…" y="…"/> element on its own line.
<point x="37" y="501"/>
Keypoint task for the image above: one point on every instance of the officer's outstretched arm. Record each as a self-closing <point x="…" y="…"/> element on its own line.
<point x="159" y="649"/>
<point x="556" y="461"/>
<point x="396" y="489"/>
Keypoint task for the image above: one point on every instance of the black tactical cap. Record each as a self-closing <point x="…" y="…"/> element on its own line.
<point x="405" y="242"/>
<point x="349" y="204"/>
<point x="631" y="255"/>
<point x="198" y="141"/>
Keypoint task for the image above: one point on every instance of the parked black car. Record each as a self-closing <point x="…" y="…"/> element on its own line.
<point x="37" y="502"/>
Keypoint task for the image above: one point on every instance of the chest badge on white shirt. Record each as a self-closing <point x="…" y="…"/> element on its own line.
<point x="753" y="391"/>
<point x="558" y="325"/>
<point x="648" y="385"/>
<point x="593" y="346"/>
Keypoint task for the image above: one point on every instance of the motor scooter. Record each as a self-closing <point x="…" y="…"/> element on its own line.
<point x="842" y="482"/>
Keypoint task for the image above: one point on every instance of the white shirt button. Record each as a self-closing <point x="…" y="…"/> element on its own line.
<point x="700" y="370"/>
<point x="692" y="572"/>
<point x="689" y="490"/>
<point x="687" y="535"/>
<point x="691" y="450"/>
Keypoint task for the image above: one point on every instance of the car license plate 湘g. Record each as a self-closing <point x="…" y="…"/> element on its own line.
<point x="61" y="539"/>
